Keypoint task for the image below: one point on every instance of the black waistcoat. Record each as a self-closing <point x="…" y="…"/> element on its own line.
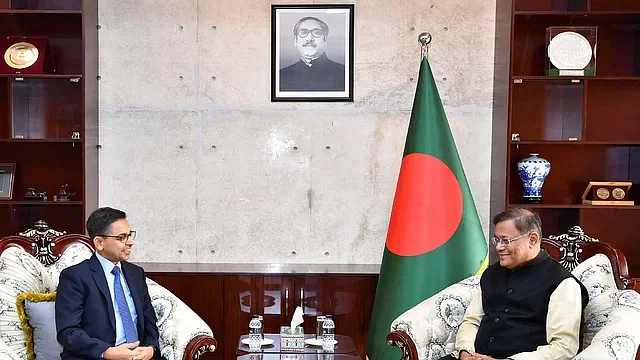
<point x="515" y="303"/>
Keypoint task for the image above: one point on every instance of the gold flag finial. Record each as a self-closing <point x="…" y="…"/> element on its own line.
<point x="424" y="39"/>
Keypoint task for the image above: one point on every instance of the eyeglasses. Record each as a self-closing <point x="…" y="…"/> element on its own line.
<point x="123" y="238"/>
<point x="316" y="33"/>
<point x="505" y="242"/>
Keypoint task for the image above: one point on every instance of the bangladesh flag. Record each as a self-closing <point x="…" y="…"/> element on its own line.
<point x="434" y="238"/>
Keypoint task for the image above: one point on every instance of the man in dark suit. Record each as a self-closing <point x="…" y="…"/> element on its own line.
<point x="103" y="308"/>
<point x="314" y="71"/>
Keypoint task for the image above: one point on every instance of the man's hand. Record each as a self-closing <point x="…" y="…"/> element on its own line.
<point x="482" y="357"/>
<point x="474" y="356"/>
<point x="143" y="353"/>
<point x="122" y="352"/>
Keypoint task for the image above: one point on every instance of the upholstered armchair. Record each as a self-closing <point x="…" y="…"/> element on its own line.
<point x="30" y="266"/>
<point x="610" y="331"/>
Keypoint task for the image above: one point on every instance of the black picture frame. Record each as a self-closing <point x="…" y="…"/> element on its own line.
<point x="327" y="45"/>
<point x="7" y="178"/>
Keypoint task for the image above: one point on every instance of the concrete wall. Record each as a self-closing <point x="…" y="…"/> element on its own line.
<point x="209" y="170"/>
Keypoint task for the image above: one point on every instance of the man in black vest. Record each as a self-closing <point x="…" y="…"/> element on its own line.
<point x="528" y="307"/>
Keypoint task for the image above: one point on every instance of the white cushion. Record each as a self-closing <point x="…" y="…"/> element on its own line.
<point x="177" y="323"/>
<point x="6" y="353"/>
<point x="20" y="272"/>
<point x="596" y="274"/>
<point x="620" y="336"/>
<point x="433" y="324"/>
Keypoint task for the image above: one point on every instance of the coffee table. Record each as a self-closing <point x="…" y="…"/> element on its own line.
<point x="344" y="346"/>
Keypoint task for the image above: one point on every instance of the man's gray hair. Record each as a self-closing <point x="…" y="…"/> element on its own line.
<point x="323" y="25"/>
<point x="526" y="221"/>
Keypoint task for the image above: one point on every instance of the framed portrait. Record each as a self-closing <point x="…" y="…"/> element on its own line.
<point x="7" y="177"/>
<point x="312" y="52"/>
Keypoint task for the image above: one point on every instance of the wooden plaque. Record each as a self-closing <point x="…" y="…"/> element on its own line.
<point x="26" y="55"/>
<point x="607" y="193"/>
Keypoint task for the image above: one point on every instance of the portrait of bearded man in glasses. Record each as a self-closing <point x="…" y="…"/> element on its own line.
<point x="314" y="71"/>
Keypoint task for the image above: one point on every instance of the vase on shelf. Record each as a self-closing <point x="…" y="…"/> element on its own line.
<point x="533" y="171"/>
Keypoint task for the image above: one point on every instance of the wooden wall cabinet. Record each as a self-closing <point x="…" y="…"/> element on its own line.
<point x="39" y="113"/>
<point x="586" y="126"/>
<point x="227" y="301"/>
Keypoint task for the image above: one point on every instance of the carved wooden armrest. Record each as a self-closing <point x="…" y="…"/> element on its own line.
<point x="403" y="341"/>
<point x="199" y="345"/>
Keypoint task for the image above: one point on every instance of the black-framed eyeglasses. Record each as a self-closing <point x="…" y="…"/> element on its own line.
<point x="123" y="238"/>
<point x="505" y="242"/>
<point x="316" y="33"/>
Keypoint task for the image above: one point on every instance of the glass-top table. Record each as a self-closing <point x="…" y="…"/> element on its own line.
<point x="344" y="346"/>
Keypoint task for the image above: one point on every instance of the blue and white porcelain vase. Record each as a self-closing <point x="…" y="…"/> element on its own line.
<point x="533" y="171"/>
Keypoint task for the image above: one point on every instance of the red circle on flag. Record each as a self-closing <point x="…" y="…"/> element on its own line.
<point x="427" y="208"/>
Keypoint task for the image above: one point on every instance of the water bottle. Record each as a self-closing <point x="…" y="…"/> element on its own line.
<point x="328" y="333"/>
<point x="261" y="326"/>
<point x="255" y="339"/>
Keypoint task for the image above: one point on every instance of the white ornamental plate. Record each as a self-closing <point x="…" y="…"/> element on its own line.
<point x="570" y="51"/>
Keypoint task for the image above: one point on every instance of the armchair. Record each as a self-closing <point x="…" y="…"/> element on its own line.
<point x="428" y="330"/>
<point x="32" y="262"/>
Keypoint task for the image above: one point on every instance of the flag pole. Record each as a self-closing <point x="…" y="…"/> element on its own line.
<point x="424" y="39"/>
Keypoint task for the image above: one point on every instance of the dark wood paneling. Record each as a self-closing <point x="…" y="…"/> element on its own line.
<point x="615" y="5"/>
<point x="617" y="42"/>
<point x="226" y="302"/>
<point x="47" y="4"/>
<point x="616" y="227"/>
<point x="45" y="166"/>
<point x="63" y="30"/>
<point x="572" y="167"/>
<point x="240" y="302"/>
<point x="5" y="108"/>
<point x="554" y="113"/>
<point x="339" y="296"/>
<point x="550" y="5"/>
<point x="204" y="294"/>
<point x="46" y="108"/>
<point x="602" y="123"/>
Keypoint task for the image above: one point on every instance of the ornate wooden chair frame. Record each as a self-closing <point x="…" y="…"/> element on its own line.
<point x="47" y="245"/>
<point x="569" y="249"/>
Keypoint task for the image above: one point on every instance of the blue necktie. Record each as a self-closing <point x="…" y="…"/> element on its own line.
<point x="130" y="332"/>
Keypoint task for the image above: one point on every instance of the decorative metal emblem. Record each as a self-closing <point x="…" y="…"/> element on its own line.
<point x="42" y="243"/>
<point x="21" y="55"/>
<point x="571" y="246"/>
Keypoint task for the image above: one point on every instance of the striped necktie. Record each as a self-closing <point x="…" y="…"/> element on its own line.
<point x="130" y="332"/>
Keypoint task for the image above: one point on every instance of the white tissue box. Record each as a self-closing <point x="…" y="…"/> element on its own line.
<point x="292" y="340"/>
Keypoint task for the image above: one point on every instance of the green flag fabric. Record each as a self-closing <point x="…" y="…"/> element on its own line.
<point x="434" y="237"/>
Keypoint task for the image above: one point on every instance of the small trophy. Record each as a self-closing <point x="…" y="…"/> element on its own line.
<point x="33" y="195"/>
<point x="64" y="194"/>
<point x="571" y="50"/>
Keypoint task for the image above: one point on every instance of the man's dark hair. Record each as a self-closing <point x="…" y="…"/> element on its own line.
<point x="526" y="221"/>
<point x="323" y="25"/>
<point x="101" y="219"/>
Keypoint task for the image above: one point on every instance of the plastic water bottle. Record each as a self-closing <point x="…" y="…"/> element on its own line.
<point x="255" y="338"/>
<point x="261" y="326"/>
<point x="328" y="333"/>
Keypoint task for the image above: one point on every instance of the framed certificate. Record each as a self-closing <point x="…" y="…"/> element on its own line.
<point x="7" y="177"/>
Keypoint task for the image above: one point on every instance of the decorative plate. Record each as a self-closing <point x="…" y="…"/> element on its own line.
<point x="265" y="341"/>
<point x="21" y="55"/>
<point x="570" y="51"/>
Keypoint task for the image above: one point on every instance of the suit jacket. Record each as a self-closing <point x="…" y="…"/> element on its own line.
<point x="322" y="75"/>
<point x="85" y="320"/>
